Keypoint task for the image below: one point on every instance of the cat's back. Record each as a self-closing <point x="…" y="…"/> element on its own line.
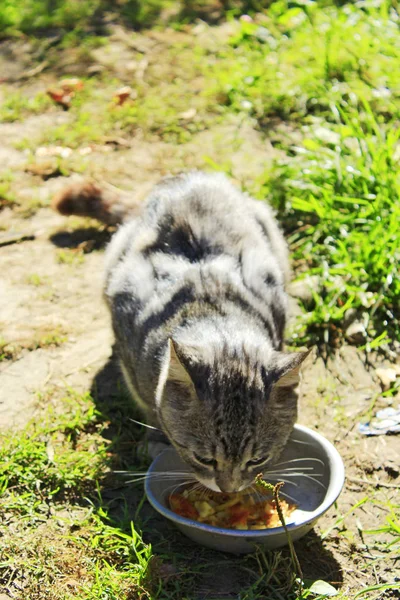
<point x="196" y="217"/>
<point x="198" y="234"/>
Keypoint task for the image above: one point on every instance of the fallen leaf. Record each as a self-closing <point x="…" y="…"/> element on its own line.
<point x="123" y="94"/>
<point x="59" y="96"/>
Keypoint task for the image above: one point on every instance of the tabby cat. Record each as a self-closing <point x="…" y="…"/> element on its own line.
<point x="195" y="285"/>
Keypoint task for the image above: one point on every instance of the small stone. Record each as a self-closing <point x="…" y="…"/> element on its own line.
<point x="356" y="333"/>
<point x="95" y="69"/>
<point x="327" y="136"/>
<point x="262" y="34"/>
<point x="349" y="317"/>
<point x="387" y="376"/>
<point x="188" y="114"/>
<point x="303" y="288"/>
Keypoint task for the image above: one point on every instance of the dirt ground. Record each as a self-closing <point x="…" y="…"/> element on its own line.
<point x="58" y="333"/>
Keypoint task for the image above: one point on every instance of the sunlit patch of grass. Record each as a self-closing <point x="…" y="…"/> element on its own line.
<point x="53" y="458"/>
<point x="70" y="256"/>
<point x="339" y="197"/>
<point x="7" y="196"/>
<point x="67" y="534"/>
<point x="34" y="279"/>
<point x="34" y="16"/>
<point x="17" y="105"/>
<point x="57" y="538"/>
<point x="298" y="60"/>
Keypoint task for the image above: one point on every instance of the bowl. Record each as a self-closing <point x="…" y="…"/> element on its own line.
<point x="311" y="468"/>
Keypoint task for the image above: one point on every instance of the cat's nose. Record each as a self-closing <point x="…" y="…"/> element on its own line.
<point x="226" y="483"/>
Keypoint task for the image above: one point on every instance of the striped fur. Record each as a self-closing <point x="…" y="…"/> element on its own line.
<point x="196" y="290"/>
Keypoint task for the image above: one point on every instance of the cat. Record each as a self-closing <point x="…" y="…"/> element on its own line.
<point x="195" y="282"/>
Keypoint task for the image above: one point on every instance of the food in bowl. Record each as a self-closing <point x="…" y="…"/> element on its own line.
<point x="239" y="510"/>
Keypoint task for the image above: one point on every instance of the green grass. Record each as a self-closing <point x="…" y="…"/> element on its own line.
<point x="35" y="16"/>
<point x="7" y="197"/>
<point x="71" y="528"/>
<point x="339" y="201"/>
<point x="63" y="539"/>
<point x="17" y="105"/>
<point x="298" y="60"/>
<point x="77" y="17"/>
<point x="53" y="523"/>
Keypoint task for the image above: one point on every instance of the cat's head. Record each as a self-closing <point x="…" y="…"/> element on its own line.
<point x="231" y="417"/>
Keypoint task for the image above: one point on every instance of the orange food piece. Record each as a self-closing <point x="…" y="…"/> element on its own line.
<point x="181" y="506"/>
<point x="238" y="515"/>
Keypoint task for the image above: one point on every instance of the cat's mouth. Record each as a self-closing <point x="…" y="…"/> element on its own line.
<point x="212" y="485"/>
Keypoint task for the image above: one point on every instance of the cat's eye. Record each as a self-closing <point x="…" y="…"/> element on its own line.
<point x="256" y="462"/>
<point x="207" y="462"/>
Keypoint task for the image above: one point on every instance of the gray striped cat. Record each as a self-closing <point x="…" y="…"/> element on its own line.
<point x="196" y="289"/>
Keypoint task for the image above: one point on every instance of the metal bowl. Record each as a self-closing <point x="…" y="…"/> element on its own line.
<point x="313" y="480"/>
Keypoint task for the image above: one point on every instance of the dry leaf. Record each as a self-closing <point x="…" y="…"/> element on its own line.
<point x="60" y="96"/>
<point x="123" y="94"/>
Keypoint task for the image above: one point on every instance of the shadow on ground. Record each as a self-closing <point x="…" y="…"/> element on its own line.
<point x="196" y="572"/>
<point x="87" y="237"/>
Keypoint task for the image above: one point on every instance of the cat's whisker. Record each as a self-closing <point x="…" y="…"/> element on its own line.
<point x="156" y="476"/>
<point x="300" y="442"/>
<point x="293" y="460"/>
<point x="306" y="477"/>
<point x="315" y="480"/>
<point x="176" y="487"/>
<point x="153" y="474"/>
<point x="291" y="469"/>
<point x="161" y="477"/>
<point x="145" y="425"/>
<point x="298" y="474"/>
<point x="257" y="492"/>
<point x="277" y="478"/>
<point x="180" y="484"/>
<point x="286" y="495"/>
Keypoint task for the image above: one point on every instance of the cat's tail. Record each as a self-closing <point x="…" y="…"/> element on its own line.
<point x="98" y="201"/>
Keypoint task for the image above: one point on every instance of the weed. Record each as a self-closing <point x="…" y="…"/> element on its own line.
<point x="18" y="105"/>
<point x="34" y="279"/>
<point x="70" y="256"/>
<point x="7" y="197"/>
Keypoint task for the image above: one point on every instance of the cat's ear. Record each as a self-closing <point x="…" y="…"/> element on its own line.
<point x="288" y="368"/>
<point x="174" y="377"/>
<point x="176" y="371"/>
